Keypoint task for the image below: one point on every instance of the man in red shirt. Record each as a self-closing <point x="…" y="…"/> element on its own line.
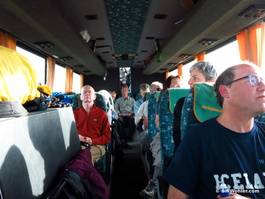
<point x="92" y="123"/>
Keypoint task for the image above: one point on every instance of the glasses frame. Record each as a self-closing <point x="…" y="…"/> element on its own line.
<point x="249" y="78"/>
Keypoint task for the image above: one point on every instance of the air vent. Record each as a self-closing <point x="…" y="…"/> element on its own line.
<point x="124" y="56"/>
<point x="45" y="44"/>
<point x="78" y="66"/>
<point x="254" y="11"/>
<point x="185" y="56"/>
<point x="66" y="58"/>
<point x="207" y="42"/>
<point x="172" y="64"/>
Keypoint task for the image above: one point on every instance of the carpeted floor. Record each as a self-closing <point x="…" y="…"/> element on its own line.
<point x="129" y="174"/>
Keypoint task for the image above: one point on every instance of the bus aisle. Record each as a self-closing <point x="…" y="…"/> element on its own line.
<point x="129" y="174"/>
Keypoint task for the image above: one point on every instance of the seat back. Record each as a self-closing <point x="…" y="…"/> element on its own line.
<point x="199" y="105"/>
<point x="47" y="141"/>
<point x="152" y="115"/>
<point x="167" y="103"/>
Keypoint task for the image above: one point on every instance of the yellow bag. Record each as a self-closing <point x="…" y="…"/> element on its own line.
<point x="18" y="79"/>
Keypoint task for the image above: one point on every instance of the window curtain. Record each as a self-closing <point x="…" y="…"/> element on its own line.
<point x="7" y="41"/>
<point x="251" y="44"/>
<point x="50" y="72"/>
<point x="69" y="80"/>
<point x="180" y="70"/>
<point x="167" y="74"/>
<point x="200" y="57"/>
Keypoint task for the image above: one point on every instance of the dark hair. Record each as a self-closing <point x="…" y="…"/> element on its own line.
<point x="225" y="77"/>
<point x="167" y="82"/>
<point x="206" y="68"/>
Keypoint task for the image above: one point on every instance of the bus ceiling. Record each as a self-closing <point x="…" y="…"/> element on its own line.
<point x="153" y="36"/>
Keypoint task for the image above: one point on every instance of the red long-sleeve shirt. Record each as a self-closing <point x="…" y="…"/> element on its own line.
<point x="94" y="125"/>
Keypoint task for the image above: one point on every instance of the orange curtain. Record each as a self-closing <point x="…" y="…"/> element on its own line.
<point x="199" y="57"/>
<point x="167" y="74"/>
<point x="81" y="81"/>
<point x="69" y="80"/>
<point x="180" y="70"/>
<point x="7" y="41"/>
<point x="251" y="44"/>
<point x="50" y="72"/>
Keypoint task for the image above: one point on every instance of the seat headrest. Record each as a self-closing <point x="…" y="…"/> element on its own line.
<point x="205" y="103"/>
<point x="174" y="95"/>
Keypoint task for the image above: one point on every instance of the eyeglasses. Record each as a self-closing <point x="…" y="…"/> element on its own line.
<point x="254" y="80"/>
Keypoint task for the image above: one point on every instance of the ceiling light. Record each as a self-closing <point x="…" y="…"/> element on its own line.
<point x="85" y="35"/>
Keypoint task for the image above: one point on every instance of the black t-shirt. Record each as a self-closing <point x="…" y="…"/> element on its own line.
<point x="176" y="122"/>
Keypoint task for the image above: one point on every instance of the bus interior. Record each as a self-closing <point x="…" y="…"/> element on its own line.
<point x="109" y="43"/>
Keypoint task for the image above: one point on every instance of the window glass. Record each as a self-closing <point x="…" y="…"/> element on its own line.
<point x="224" y="57"/>
<point x="221" y="58"/>
<point x="76" y="83"/>
<point x="37" y="62"/>
<point x="59" y="79"/>
<point x="125" y="76"/>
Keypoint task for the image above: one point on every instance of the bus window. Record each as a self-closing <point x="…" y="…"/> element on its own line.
<point x="37" y="62"/>
<point x="76" y="83"/>
<point x="59" y="79"/>
<point x="221" y="58"/>
<point x="224" y="57"/>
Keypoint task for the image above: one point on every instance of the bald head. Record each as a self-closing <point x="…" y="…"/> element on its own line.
<point x="88" y="94"/>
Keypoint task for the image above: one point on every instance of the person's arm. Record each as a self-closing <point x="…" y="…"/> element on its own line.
<point x="104" y="138"/>
<point x="174" y="193"/>
<point x="117" y="107"/>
